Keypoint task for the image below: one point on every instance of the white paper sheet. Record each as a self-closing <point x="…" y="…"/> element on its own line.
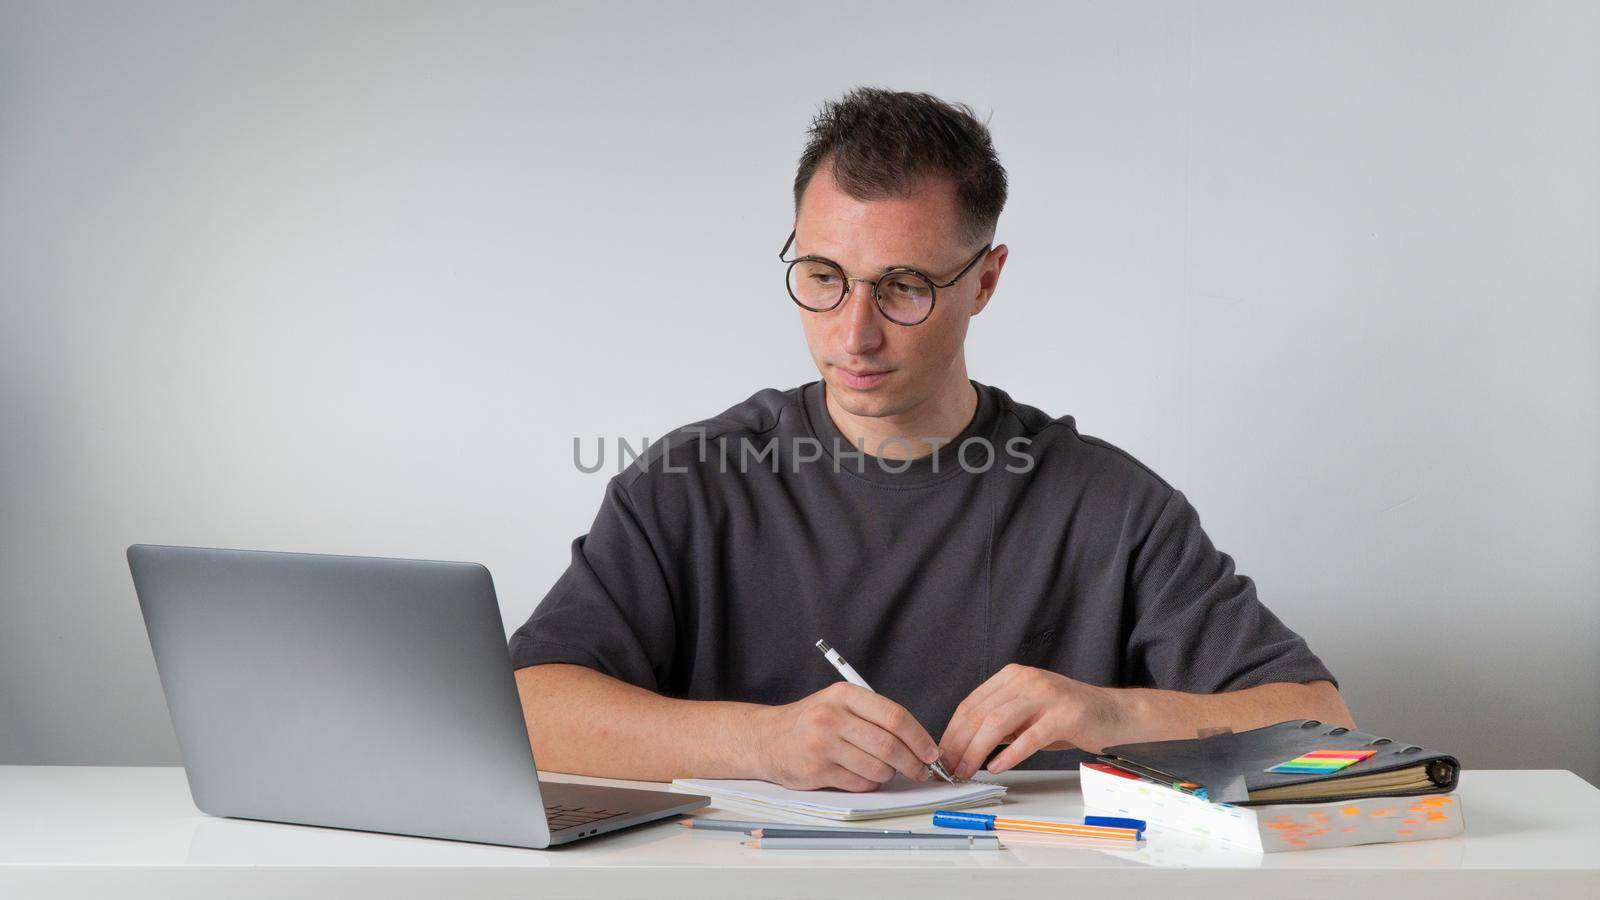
<point x="899" y="797"/>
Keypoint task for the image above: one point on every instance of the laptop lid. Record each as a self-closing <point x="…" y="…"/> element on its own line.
<point x="353" y="692"/>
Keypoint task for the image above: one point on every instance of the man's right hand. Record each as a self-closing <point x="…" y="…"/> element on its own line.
<point x="843" y="737"/>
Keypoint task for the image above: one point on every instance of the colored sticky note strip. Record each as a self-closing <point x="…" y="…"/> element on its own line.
<point x="1321" y="762"/>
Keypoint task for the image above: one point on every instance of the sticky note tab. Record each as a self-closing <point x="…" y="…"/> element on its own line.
<point x="1321" y="762"/>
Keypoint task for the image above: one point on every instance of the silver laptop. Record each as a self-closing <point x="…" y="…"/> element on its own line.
<point x="355" y="692"/>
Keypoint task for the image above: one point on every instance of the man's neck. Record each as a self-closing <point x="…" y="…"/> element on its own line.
<point x="914" y="433"/>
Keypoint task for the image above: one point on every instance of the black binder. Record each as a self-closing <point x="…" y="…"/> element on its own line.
<point x="1232" y="767"/>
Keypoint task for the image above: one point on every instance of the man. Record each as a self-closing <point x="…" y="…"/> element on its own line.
<point x="1061" y="596"/>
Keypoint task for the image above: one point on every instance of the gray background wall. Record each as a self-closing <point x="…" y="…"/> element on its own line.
<point x="350" y="279"/>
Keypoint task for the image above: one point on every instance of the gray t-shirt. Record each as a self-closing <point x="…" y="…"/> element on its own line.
<point x="719" y="558"/>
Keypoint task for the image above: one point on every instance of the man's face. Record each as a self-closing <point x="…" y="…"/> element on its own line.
<point x="872" y="366"/>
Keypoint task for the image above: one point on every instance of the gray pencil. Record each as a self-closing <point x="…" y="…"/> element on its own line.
<point x="708" y="824"/>
<point x="877" y="842"/>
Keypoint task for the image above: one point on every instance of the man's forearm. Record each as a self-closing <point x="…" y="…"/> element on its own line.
<point x="588" y="723"/>
<point x="1156" y="715"/>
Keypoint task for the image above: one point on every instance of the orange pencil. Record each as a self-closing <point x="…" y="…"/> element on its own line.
<point x="1133" y="830"/>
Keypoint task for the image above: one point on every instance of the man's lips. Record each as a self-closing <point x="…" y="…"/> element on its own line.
<point x="863" y="378"/>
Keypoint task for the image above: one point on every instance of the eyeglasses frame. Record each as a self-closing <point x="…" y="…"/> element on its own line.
<point x="877" y="298"/>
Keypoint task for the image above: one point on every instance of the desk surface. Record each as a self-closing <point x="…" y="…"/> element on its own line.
<point x="83" y="830"/>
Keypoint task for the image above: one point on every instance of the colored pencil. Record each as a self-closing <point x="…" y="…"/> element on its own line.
<point x="1070" y="828"/>
<point x="1123" y="830"/>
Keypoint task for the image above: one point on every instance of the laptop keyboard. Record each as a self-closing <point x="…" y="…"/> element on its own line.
<point x="572" y="816"/>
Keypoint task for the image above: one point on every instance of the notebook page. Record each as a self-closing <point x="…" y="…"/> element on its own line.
<point x="900" y="796"/>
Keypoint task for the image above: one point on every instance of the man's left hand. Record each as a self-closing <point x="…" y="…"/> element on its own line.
<point x="1031" y="709"/>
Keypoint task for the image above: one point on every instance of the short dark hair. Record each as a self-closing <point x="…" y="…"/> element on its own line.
<point x="882" y="143"/>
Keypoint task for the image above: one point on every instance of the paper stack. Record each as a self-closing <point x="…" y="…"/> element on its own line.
<point x="899" y="797"/>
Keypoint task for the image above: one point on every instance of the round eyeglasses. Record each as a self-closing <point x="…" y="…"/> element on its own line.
<point x="904" y="295"/>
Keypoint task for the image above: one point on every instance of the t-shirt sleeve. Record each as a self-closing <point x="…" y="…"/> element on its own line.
<point x="612" y="609"/>
<point x="1199" y="626"/>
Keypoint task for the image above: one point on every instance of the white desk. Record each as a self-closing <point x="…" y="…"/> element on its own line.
<point x="133" y="832"/>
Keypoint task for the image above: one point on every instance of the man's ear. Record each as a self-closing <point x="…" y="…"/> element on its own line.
<point x="989" y="277"/>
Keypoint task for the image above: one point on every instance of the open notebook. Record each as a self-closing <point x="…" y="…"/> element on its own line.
<point x="899" y="797"/>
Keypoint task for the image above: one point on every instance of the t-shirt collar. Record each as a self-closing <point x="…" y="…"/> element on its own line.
<point x="937" y="466"/>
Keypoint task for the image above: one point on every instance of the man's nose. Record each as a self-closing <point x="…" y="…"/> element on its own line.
<point x="863" y="324"/>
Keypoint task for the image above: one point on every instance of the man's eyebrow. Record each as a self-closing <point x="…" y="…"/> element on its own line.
<point x="885" y="268"/>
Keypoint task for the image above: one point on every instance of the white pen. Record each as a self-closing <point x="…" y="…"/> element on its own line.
<point x="854" y="677"/>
